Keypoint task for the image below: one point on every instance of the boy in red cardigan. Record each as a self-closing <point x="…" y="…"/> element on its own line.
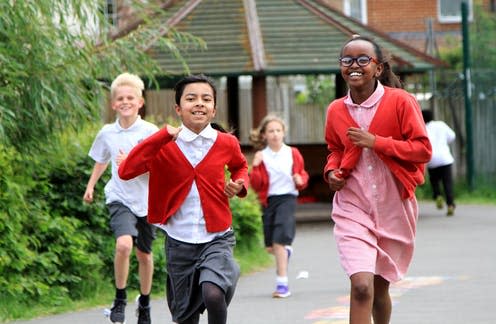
<point x="189" y="200"/>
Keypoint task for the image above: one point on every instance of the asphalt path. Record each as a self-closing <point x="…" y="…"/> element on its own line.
<point x="452" y="278"/>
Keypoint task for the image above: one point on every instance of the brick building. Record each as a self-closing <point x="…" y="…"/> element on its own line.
<point x="423" y="24"/>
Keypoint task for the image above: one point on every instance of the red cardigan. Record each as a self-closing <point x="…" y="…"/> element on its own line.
<point x="259" y="177"/>
<point x="401" y="140"/>
<point x="171" y="177"/>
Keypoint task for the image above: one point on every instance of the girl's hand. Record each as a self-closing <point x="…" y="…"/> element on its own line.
<point x="336" y="181"/>
<point x="361" y="137"/>
<point x="257" y="159"/>
<point x="232" y="188"/>
<point x="298" y="180"/>
<point x="173" y="131"/>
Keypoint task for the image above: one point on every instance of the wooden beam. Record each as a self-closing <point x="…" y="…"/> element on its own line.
<point x="255" y="35"/>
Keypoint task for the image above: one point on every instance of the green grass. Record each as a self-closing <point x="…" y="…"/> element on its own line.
<point x="15" y="310"/>
<point x="483" y="194"/>
<point x="253" y="260"/>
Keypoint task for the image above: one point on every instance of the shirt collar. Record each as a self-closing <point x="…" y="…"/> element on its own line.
<point x="188" y="135"/>
<point x="119" y="128"/>
<point x="371" y="101"/>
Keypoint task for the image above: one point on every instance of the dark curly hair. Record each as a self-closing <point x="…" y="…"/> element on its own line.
<point x="387" y="77"/>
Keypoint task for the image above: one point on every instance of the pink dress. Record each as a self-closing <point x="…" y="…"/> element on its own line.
<point x="374" y="227"/>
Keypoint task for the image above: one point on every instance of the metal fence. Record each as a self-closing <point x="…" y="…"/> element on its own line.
<point x="450" y="107"/>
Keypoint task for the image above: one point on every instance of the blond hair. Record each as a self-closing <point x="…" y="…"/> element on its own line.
<point x="256" y="135"/>
<point x="128" y="79"/>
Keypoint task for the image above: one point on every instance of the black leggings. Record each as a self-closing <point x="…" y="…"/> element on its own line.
<point x="442" y="175"/>
<point x="215" y="302"/>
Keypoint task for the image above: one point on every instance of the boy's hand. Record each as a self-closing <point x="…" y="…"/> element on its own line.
<point x="336" y="181"/>
<point x="88" y="195"/>
<point x="173" y="131"/>
<point x="232" y="188"/>
<point x="120" y="157"/>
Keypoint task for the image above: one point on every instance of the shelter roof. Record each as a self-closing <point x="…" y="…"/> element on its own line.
<point x="274" y="37"/>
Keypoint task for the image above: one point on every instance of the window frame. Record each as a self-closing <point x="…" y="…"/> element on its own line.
<point x="444" y="19"/>
<point x="363" y="13"/>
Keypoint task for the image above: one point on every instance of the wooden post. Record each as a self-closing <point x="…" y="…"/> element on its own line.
<point x="259" y="99"/>
<point x="233" y="104"/>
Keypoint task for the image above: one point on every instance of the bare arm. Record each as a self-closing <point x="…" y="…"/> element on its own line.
<point x="97" y="172"/>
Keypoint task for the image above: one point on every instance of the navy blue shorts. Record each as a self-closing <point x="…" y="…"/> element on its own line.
<point x="279" y="220"/>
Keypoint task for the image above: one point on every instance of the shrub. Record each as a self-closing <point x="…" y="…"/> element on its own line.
<point x="247" y="221"/>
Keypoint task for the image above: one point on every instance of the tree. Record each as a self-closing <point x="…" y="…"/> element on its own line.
<point x="56" y="54"/>
<point x="482" y="35"/>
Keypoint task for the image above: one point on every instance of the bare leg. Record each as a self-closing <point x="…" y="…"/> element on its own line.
<point x="281" y="256"/>
<point x="145" y="261"/>
<point x="381" y="310"/>
<point x="123" y="248"/>
<point x="361" y="297"/>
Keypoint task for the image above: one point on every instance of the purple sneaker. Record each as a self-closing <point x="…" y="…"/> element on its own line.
<point x="282" y="291"/>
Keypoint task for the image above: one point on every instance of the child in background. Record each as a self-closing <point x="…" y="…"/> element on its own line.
<point x="378" y="148"/>
<point x="278" y="173"/>
<point x="189" y="200"/>
<point x="126" y="200"/>
<point x="439" y="167"/>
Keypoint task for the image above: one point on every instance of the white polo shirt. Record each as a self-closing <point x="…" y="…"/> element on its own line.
<point x="109" y="140"/>
<point x="279" y="166"/>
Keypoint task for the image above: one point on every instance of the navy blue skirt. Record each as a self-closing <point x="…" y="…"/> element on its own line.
<point x="189" y="265"/>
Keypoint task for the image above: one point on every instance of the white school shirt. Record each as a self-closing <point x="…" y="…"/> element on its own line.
<point x="188" y="223"/>
<point x="279" y="166"/>
<point x="109" y="140"/>
<point x="440" y="135"/>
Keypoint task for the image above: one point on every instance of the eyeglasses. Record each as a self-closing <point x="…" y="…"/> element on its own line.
<point x="362" y="60"/>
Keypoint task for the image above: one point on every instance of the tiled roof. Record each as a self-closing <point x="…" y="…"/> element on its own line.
<point x="274" y="37"/>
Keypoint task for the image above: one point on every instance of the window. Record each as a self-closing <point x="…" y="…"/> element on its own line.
<point x="356" y="9"/>
<point x="449" y="11"/>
